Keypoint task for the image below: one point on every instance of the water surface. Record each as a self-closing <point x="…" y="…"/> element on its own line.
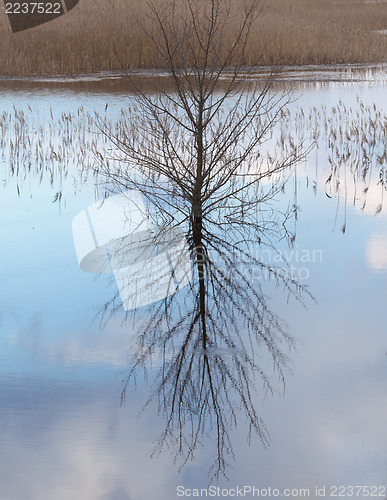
<point x="63" y="431"/>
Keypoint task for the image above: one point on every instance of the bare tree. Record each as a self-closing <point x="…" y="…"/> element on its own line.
<point x="193" y="143"/>
<point x="194" y="147"/>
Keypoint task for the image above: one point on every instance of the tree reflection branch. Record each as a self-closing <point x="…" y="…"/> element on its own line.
<point x="212" y="338"/>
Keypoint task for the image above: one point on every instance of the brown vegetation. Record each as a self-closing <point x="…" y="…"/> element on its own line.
<point x="102" y="36"/>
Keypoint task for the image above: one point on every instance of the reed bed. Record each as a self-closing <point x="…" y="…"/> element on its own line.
<point x="105" y="36"/>
<point x="47" y="151"/>
<point x="349" y="161"/>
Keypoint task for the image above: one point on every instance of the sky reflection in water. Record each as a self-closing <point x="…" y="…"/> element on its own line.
<point x="63" y="433"/>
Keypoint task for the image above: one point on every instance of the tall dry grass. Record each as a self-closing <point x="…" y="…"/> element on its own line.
<point x="103" y="35"/>
<point x="349" y="161"/>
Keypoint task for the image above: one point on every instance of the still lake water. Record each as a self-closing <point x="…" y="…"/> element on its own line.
<point x="63" y="432"/>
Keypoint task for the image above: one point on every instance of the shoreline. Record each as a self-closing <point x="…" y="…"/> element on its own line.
<point x="301" y="73"/>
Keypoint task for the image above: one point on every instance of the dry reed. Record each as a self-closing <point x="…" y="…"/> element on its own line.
<point x="351" y="146"/>
<point x="103" y="36"/>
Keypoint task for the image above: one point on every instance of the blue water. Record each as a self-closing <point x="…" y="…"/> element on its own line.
<point x="63" y="432"/>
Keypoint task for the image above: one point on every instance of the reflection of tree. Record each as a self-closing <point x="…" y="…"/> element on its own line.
<point x="214" y="338"/>
<point x="194" y="149"/>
